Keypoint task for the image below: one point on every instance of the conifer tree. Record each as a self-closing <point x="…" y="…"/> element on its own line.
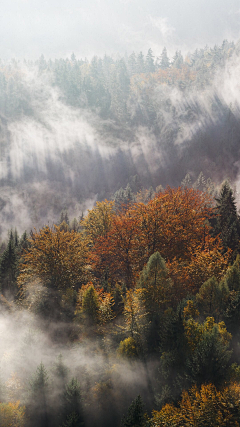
<point x="38" y="410"/>
<point x="164" y="60"/>
<point x="227" y="223"/>
<point x="150" y="67"/>
<point x="8" y="266"/>
<point x="135" y="416"/>
<point x="72" y="413"/>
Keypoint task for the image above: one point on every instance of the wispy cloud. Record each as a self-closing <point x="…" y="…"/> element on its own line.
<point x="163" y="25"/>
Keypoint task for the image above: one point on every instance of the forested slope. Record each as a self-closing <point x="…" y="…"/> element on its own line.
<point x="74" y="131"/>
<point x="137" y="302"/>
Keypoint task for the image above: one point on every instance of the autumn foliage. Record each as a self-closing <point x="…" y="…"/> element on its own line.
<point x="202" y="407"/>
<point x="175" y="223"/>
<point x="55" y="256"/>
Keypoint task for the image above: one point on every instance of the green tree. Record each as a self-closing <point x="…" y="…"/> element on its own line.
<point x="72" y="411"/>
<point x="38" y="409"/>
<point x="212" y="298"/>
<point x="150" y="67"/>
<point x="177" y="61"/>
<point x="135" y="416"/>
<point x="8" y="267"/>
<point x="164" y="60"/>
<point x="227" y="223"/>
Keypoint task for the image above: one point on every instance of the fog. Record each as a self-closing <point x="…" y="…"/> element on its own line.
<point x="29" y="28"/>
<point x="65" y="157"/>
<point x="27" y="342"/>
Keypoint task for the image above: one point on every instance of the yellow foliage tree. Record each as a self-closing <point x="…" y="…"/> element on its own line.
<point x="57" y="257"/>
<point x="98" y="220"/>
<point x="12" y="414"/>
<point x="202" y="407"/>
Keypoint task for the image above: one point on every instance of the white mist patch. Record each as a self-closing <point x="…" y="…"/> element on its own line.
<point x="50" y="133"/>
<point x="26" y="343"/>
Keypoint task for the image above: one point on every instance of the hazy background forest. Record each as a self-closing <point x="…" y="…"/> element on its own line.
<point x="119" y="214"/>
<point x="75" y="131"/>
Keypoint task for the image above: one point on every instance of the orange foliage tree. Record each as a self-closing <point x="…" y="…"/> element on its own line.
<point x="175" y="224"/>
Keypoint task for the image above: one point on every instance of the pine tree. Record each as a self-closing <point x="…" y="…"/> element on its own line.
<point x="72" y="413"/>
<point x="8" y="266"/>
<point x="135" y="416"/>
<point x="150" y="67"/>
<point x="164" y="60"/>
<point x="227" y="223"/>
<point x="123" y="198"/>
<point x="177" y="61"/>
<point x="38" y="410"/>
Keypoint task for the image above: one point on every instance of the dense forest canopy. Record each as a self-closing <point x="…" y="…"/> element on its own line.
<point x="120" y="240"/>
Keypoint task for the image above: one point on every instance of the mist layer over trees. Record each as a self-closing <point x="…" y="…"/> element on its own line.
<point x="126" y="313"/>
<point x="75" y="131"/>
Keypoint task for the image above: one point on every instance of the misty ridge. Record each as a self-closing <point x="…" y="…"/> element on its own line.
<point x="75" y="131"/>
<point x="120" y="255"/>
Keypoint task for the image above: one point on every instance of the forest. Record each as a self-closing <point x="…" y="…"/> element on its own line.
<point x="120" y="240"/>
<point x="129" y="317"/>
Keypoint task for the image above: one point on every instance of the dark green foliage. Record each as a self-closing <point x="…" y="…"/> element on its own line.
<point x="38" y="408"/>
<point x="8" y="266"/>
<point x="210" y="359"/>
<point x="227" y="223"/>
<point x="135" y="416"/>
<point x="72" y="412"/>
<point x="231" y="314"/>
<point x="156" y="286"/>
<point x="212" y="297"/>
<point x="232" y="277"/>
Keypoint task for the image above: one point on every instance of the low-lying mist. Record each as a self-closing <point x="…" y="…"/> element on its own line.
<point x="108" y="383"/>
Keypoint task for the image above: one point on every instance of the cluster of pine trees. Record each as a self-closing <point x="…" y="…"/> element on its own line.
<point x="151" y="281"/>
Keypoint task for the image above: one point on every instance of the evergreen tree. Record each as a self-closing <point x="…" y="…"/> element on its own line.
<point x="38" y="409"/>
<point x="72" y="412"/>
<point x="227" y="223"/>
<point x="150" y="67"/>
<point x="187" y="182"/>
<point x="8" y="266"/>
<point x="132" y="64"/>
<point x="123" y="198"/>
<point x="155" y="287"/>
<point x="210" y="359"/>
<point x="164" y="60"/>
<point x="177" y="61"/>
<point x="135" y="416"/>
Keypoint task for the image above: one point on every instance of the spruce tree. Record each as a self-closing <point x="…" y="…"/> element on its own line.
<point x="135" y="416"/>
<point x="8" y="267"/>
<point x="38" y="410"/>
<point x="150" y="67"/>
<point x="72" y="413"/>
<point x="164" y="60"/>
<point x="227" y="223"/>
